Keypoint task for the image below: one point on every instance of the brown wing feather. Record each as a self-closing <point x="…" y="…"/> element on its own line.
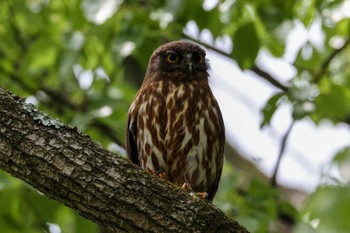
<point x="131" y="140"/>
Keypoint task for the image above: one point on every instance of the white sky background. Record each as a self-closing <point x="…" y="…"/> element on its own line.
<point x="242" y="95"/>
<point x="309" y="147"/>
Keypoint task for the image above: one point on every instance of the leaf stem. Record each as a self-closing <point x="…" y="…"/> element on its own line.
<point x="281" y="152"/>
<point x="326" y="62"/>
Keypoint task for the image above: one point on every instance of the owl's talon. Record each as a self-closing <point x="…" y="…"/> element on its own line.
<point x="162" y="175"/>
<point x="186" y="186"/>
<point x="149" y="170"/>
<point x="202" y="195"/>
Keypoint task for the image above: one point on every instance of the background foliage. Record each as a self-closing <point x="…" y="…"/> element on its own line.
<point x="83" y="60"/>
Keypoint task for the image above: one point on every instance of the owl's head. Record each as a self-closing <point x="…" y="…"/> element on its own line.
<point x="180" y="59"/>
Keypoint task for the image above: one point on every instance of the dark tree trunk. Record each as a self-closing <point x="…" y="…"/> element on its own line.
<point x="109" y="190"/>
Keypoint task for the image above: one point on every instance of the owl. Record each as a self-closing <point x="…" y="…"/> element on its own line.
<point x="175" y="126"/>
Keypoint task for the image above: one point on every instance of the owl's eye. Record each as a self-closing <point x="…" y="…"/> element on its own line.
<point x="172" y="58"/>
<point x="198" y="58"/>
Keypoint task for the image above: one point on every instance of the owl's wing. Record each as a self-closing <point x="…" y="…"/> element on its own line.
<point x="131" y="139"/>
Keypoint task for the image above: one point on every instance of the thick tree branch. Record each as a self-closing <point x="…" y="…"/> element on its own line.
<point x="103" y="187"/>
<point x="60" y="101"/>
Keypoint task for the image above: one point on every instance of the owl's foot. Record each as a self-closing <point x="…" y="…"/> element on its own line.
<point x="162" y="175"/>
<point x="149" y="170"/>
<point x="202" y="195"/>
<point x="186" y="186"/>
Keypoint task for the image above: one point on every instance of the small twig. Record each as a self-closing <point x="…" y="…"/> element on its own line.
<point x="268" y="77"/>
<point x="326" y="63"/>
<point x="263" y="74"/>
<point x="280" y="155"/>
<point x="208" y="46"/>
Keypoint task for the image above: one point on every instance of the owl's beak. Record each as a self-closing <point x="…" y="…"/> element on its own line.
<point x="190" y="67"/>
<point x="189" y="64"/>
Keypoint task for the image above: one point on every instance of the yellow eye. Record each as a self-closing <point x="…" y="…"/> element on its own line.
<point x="198" y="58"/>
<point x="172" y="58"/>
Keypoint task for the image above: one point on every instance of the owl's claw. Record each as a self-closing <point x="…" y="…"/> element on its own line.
<point x="149" y="170"/>
<point x="162" y="175"/>
<point x="186" y="186"/>
<point x="202" y="195"/>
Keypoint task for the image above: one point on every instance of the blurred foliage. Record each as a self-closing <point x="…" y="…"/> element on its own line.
<point x="26" y="210"/>
<point x="83" y="60"/>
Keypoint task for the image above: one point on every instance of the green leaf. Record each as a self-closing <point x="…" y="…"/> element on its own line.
<point x="342" y="156"/>
<point x="341" y="162"/>
<point x="270" y="108"/>
<point x="304" y="228"/>
<point x="309" y="58"/>
<point x="210" y="20"/>
<point x="42" y="54"/>
<point x="305" y="11"/>
<point x="245" y="45"/>
<point x="330" y="206"/>
<point x="333" y="103"/>
<point x="70" y="222"/>
<point x="268" y="39"/>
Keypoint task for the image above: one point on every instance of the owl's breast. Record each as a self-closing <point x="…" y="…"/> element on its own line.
<point x="193" y="132"/>
<point x="181" y="133"/>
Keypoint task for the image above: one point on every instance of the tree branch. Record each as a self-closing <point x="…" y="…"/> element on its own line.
<point x="103" y="187"/>
<point x="328" y="60"/>
<point x="60" y="101"/>
<point x="268" y="77"/>
<point x="280" y="154"/>
<point x="263" y="74"/>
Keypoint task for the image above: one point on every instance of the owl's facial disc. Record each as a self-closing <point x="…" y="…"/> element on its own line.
<point x="187" y="63"/>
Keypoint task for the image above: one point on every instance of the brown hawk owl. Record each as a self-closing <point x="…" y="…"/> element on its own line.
<point x="174" y="123"/>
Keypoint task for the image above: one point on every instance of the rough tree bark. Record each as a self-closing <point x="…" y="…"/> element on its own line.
<point x="109" y="190"/>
